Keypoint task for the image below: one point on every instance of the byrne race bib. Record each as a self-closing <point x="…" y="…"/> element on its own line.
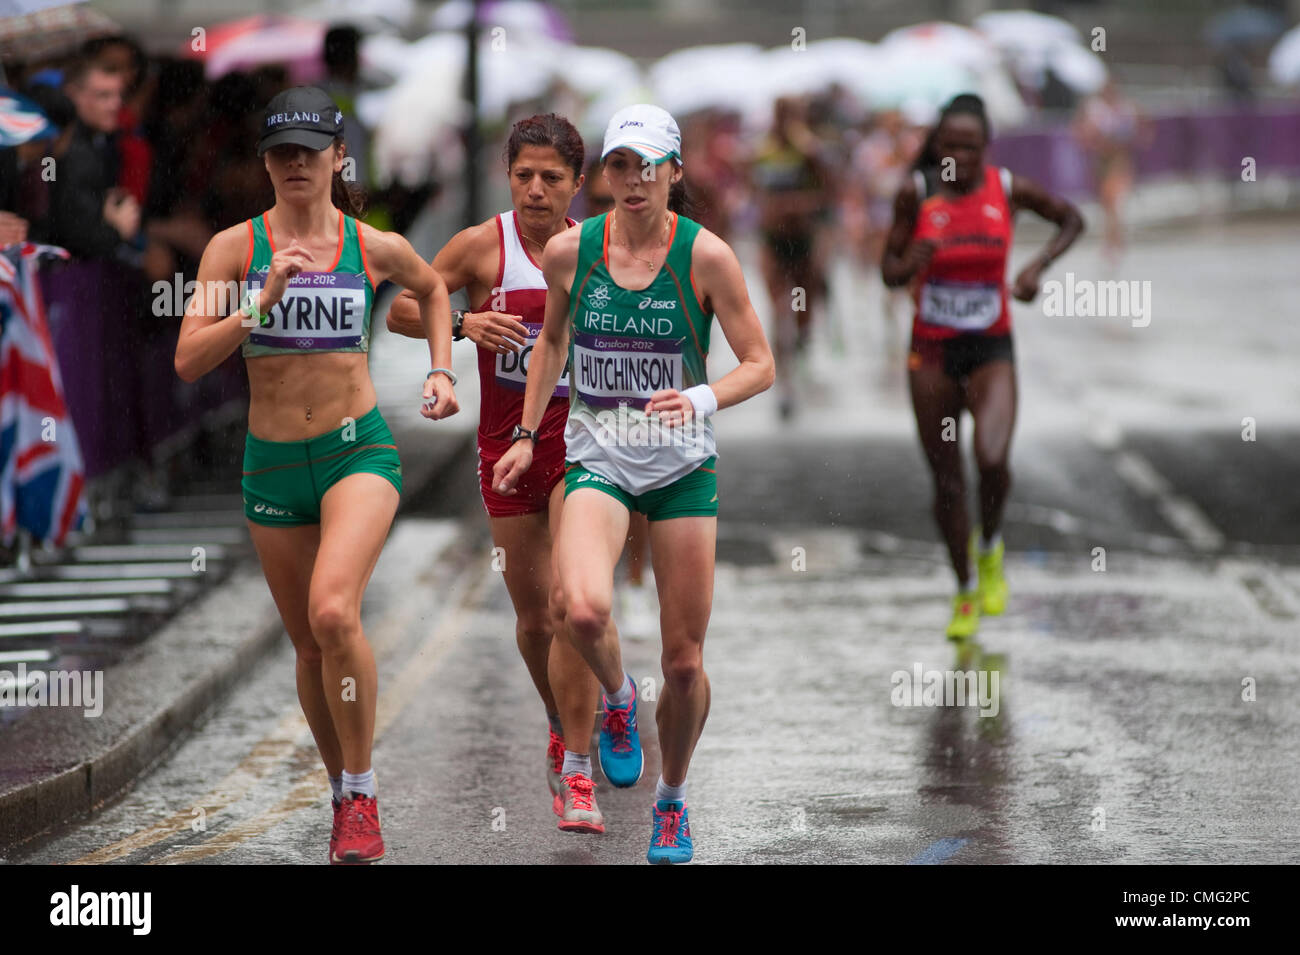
<point x="319" y="310"/>
<point x="512" y="367"/>
<point x="969" y="306"/>
<point x="609" y="370"/>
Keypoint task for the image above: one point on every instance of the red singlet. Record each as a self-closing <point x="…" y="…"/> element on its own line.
<point x="963" y="291"/>
<point x="520" y="290"/>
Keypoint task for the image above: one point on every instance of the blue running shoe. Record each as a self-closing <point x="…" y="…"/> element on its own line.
<point x="670" y="835"/>
<point x="621" y="759"/>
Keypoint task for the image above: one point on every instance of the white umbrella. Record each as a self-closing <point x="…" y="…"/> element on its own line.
<point x="522" y="20"/>
<point x="823" y="63"/>
<point x="1025" y="29"/>
<point x="370" y="17"/>
<point x="937" y="41"/>
<point x="384" y="58"/>
<point x="1284" y="61"/>
<point x="418" y="133"/>
<point x="1078" y="67"/>
<point x="728" y="76"/>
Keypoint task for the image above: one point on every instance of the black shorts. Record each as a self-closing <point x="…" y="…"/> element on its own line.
<point x="792" y="250"/>
<point x="961" y="354"/>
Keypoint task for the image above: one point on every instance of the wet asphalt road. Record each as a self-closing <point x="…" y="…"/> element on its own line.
<point x="1121" y="732"/>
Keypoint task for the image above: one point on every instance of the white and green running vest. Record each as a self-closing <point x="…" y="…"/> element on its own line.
<point x="623" y="347"/>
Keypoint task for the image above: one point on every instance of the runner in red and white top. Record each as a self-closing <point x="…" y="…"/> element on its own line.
<point x="950" y="242"/>
<point x="496" y="263"/>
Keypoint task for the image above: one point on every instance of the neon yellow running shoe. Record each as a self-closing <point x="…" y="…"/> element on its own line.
<point x="965" y="615"/>
<point x="992" y="585"/>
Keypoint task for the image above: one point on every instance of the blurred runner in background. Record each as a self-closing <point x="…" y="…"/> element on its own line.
<point x="791" y="186"/>
<point x="950" y="242"/>
<point x="1111" y="129"/>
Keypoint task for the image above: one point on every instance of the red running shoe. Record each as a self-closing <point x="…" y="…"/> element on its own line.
<point x="337" y="828"/>
<point x="359" y="841"/>
<point x="554" y="762"/>
<point x="580" y="812"/>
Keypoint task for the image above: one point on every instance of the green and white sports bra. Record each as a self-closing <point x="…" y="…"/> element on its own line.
<point x="320" y="311"/>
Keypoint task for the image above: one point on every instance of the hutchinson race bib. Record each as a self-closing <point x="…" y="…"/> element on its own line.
<point x="610" y="370"/>
<point x="319" y="310"/>
<point x="969" y="306"/>
<point x="512" y="367"/>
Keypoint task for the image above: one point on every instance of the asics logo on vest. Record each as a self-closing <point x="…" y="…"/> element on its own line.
<point x="599" y="296"/>
<point x="649" y="302"/>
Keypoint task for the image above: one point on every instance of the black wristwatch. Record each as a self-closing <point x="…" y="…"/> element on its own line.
<point x="457" y="324"/>
<point x="522" y="432"/>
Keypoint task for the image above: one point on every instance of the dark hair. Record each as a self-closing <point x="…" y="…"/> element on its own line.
<point x="94" y="48"/>
<point x="341" y="48"/>
<point x="83" y="66"/>
<point x="680" y="200"/>
<point x="348" y="196"/>
<point x="963" y="104"/>
<point x="547" y="129"/>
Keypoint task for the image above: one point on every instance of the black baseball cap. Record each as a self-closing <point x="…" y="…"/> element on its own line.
<point x="304" y="115"/>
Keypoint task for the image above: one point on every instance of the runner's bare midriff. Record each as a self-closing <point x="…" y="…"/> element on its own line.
<point x="334" y="385"/>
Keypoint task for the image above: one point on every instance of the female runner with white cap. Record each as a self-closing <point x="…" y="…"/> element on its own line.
<point x="632" y="294"/>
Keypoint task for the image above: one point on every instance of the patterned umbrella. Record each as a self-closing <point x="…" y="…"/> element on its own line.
<point x="21" y="120"/>
<point x="49" y="33"/>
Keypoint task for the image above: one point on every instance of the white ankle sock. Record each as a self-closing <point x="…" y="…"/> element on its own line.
<point x="576" y="763"/>
<point x="624" y="696"/>
<point x="336" y="787"/>
<point x="670" y="793"/>
<point x="362" y="783"/>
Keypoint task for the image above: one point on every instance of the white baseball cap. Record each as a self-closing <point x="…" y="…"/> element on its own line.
<point x="646" y="130"/>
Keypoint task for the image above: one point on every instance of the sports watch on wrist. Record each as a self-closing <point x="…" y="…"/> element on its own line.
<point x="457" y="324"/>
<point x="522" y="432"/>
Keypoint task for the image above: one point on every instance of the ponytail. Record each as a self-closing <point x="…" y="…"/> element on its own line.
<point x="347" y="196"/>
<point x="680" y="200"/>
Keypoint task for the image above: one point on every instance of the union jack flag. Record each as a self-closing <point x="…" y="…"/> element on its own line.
<point x="41" y="471"/>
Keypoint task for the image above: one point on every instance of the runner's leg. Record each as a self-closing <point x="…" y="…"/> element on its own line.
<point x="936" y="397"/>
<point x="991" y="397"/>
<point x="526" y="541"/>
<point x="356" y="514"/>
<point x="287" y="555"/>
<point x="593" y="529"/>
<point x="682" y="550"/>
<point x="575" y="687"/>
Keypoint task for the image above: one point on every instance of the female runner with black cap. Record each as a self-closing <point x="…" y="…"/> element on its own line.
<point x="322" y="477"/>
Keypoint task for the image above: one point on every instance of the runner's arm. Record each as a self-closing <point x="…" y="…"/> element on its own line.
<point x="455" y="263"/>
<point x="559" y="262"/>
<point x="722" y="283"/>
<point x="1027" y="194"/>
<point x="207" y="339"/>
<point x="393" y="258"/>
<point x="902" y="258"/>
